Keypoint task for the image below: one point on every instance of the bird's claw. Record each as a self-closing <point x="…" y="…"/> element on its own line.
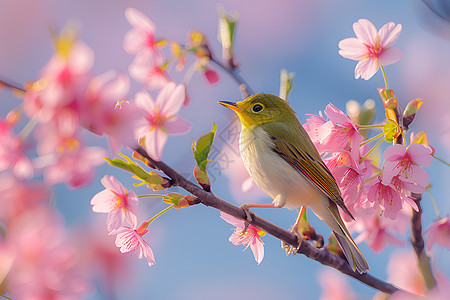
<point x="248" y="216"/>
<point x="289" y="248"/>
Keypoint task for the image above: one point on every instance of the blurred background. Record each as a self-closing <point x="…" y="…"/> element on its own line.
<point x="194" y="258"/>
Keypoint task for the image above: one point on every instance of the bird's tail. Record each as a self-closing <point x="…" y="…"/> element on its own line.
<point x="348" y="245"/>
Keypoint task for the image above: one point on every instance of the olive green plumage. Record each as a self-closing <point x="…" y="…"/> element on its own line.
<point x="283" y="161"/>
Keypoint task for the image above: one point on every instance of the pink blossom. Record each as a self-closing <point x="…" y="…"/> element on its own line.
<point x="108" y="112"/>
<point x="46" y="264"/>
<point x="439" y="232"/>
<point x="335" y="135"/>
<point x="115" y="200"/>
<point x="19" y="196"/>
<point x="377" y="231"/>
<point x="211" y="76"/>
<point x="251" y="237"/>
<point x="141" y="39"/>
<point x="129" y="239"/>
<point x="76" y="167"/>
<point x="61" y="87"/>
<point x="407" y="163"/>
<point x="12" y="153"/>
<point x="371" y="48"/>
<point x="335" y="286"/>
<point x="403" y="272"/>
<point x="385" y="196"/>
<point x="160" y="118"/>
<point x="149" y="70"/>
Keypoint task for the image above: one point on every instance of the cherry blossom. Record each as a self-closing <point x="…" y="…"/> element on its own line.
<point x="378" y="231"/>
<point x="12" y="153"/>
<point x="385" y="196"/>
<point x="407" y="163"/>
<point x="108" y="112"/>
<point x="335" y="287"/>
<point x="19" y="196"/>
<point x="115" y="200"/>
<point x="141" y="39"/>
<point x="46" y="264"/>
<point x="337" y="134"/>
<point x="371" y="48"/>
<point x="76" y="167"/>
<point x="251" y="237"/>
<point x="129" y="239"/>
<point x="439" y="233"/>
<point x="160" y="118"/>
<point x="150" y="71"/>
<point x="62" y="86"/>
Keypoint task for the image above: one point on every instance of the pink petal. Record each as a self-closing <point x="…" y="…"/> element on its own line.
<point x="394" y="152"/>
<point x="103" y="202"/>
<point x="388" y="34"/>
<point x="170" y="99"/>
<point x="148" y="253"/>
<point x="145" y="102"/>
<point x="177" y="125"/>
<point x="134" y="41"/>
<point x="132" y="201"/>
<point x="138" y="72"/>
<point x="81" y="58"/>
<point x="352" y="48"/>
<point x="390" y="170"/>
<point x="212" y="76"/>
<point x="257" y="249"/>
<point x="138" y="20"/>
<point x="131" y="219"/>
<point x="154" y="142"/>
<point x="390" y="56"/>
<point x="23" y="168"/>
<point x="366" y="68"/>
<point x="365" y="31"/>
<point x="412" y="203"/>
<point x="420" y="154"/>
<point x="156" y="78"/>
<point x="111" y="183"/>
<point x="232" y="220"/>
<point x="336" y="115"/>
<point x="143" y="126"/>
<point x="118" y="88"/>
<point x="114" y="220"/>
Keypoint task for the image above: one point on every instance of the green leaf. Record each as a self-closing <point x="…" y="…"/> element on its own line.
<point x="202" y="147"/>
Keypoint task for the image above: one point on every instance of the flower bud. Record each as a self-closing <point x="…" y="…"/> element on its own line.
<point x="391" y="103"/>
<point x="385" y="94"/>
<point x="412" y="107"/>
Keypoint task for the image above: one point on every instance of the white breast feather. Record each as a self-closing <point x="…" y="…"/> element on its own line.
<point x="272" y="173"/>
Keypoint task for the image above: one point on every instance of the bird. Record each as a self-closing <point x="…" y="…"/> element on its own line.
<point x="283" y="161"/>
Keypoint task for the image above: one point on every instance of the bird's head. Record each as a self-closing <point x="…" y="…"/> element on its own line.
<point x="261" y="108"/>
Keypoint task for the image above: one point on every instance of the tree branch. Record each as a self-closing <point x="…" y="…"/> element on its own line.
<point x="324" y="256"/>
<point x="423" y="261"/>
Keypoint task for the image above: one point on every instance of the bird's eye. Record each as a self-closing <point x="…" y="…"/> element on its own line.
<point x="257" y="108"/>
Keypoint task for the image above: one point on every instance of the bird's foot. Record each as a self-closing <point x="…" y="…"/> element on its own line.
<point x="289" y="248"/>
<point x="248" y="216"/>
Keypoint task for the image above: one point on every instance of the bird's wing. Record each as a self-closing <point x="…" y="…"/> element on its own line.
<point x="302" y="155"/>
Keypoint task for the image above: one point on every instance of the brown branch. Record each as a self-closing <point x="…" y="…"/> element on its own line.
<point x="324" y="256"/>
<point x="423" y="261"/>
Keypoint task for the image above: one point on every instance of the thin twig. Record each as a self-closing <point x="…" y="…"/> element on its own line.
<point x="324" y="256"/>
<point x="246" y="90"/>
<point x="423" y="261"/>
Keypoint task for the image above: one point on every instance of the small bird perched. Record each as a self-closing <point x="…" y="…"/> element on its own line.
<point x="283" y="161"/>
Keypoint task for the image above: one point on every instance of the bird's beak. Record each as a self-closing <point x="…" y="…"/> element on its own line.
<point x="231" y="105"/>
